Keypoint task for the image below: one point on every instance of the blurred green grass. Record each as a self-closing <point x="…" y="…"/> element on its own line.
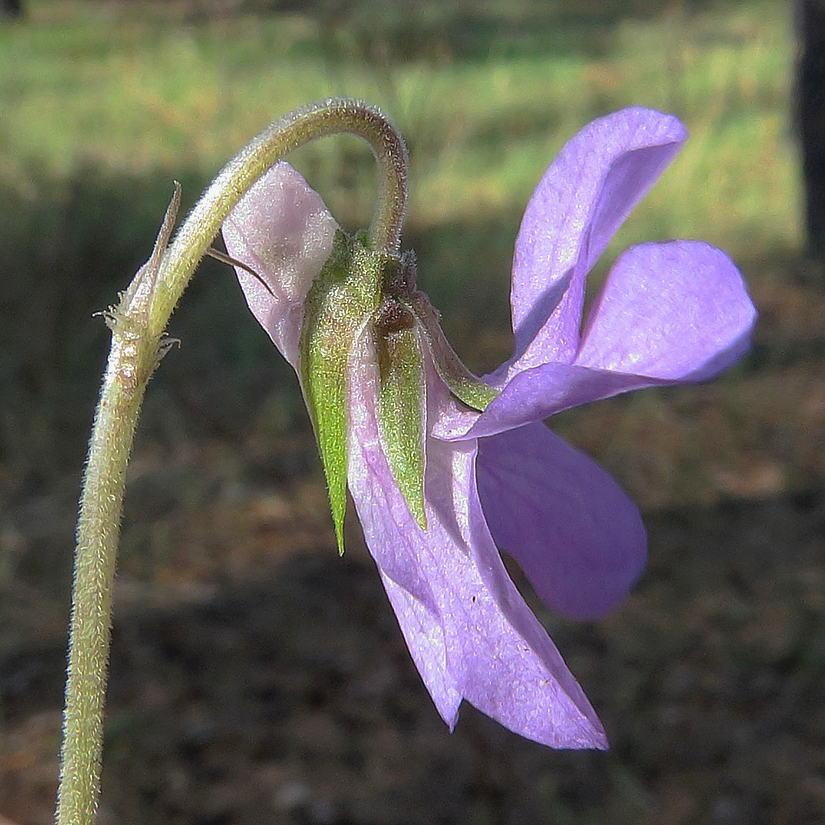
<point x="103" y="104"/>
<point x="137" y="93"/>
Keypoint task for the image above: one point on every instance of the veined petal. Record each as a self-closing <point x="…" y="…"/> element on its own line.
<point x="424" y="634"/>
<point x="469" y="630"/>
<point x="282" y="231"/>
<point x="670" y="313"/>
<point x="576" y="535"/>
<point x="675" y="310"/>
<point x="582" y="198"/>
<point x="538" y="393"/>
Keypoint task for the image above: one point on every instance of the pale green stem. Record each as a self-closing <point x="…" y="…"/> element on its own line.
<point x="293" y="130"/>
<point x="132" y="358"/>
<point x="138" y="325"/>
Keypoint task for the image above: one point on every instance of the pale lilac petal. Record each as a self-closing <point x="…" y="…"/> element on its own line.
<point x="581" y="200"/>
<point x="576" y="535"/>
<point x="281" y="229"/>
<point x="469" y="630"/>
<point x="676" y="310"/>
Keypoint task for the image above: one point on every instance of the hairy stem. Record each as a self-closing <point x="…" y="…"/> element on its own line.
<point x="333" y="116"/>
<point x="132" y="358"/>
<point x="138" y="325"/>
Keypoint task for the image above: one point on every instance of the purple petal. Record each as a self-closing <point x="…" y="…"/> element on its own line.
<point x="538" y="393"/>
<point x="280" y="229"/>
<point x="576" y="535"/>
<point x="583" y="197"/>
<point x="670" y="313"/>
<point x="676" y="310"/>
<point x="469" y="631"/>
<point x="424" y="635"/>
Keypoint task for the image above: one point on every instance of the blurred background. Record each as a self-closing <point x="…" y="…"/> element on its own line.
<point x="255" y="676"/>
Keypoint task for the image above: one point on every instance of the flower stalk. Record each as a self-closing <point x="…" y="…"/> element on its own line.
<point x="138" y="327"/>
<point x="330" y="117"/>
<point x="133" y="357"/>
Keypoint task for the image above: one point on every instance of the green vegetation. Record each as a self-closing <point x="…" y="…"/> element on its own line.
<point x="484" y="100"/>
<point x="103" y="104"/>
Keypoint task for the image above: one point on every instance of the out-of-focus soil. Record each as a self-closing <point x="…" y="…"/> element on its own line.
<point x="256" y="677"/>
<point x="279" y="690"/>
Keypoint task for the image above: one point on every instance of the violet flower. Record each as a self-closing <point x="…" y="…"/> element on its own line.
<point x="498" y="479"/>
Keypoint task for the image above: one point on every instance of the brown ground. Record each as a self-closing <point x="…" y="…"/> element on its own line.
<point x="258" y="678"/>
<point x="285" y="693"/>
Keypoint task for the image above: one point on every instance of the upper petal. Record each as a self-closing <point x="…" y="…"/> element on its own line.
<point x="576" y="535"/>
<point x="282" y="231"/>
<point x="675" y="310"/>
<point x="580" y="201"/>
<point x="470" y="633"/>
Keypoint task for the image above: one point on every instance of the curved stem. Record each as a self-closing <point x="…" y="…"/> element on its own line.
<point x="138" y="325"/>
<point x="333" y="116"/>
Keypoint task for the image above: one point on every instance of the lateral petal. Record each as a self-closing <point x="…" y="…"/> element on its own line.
<point x="676" y="310"/>
<point x="668" y="313"/>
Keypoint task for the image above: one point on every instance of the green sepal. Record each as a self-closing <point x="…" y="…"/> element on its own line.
<point x="341" y="300"/>
<point x="401" y="405"/>
<point x="465" y="386"/>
